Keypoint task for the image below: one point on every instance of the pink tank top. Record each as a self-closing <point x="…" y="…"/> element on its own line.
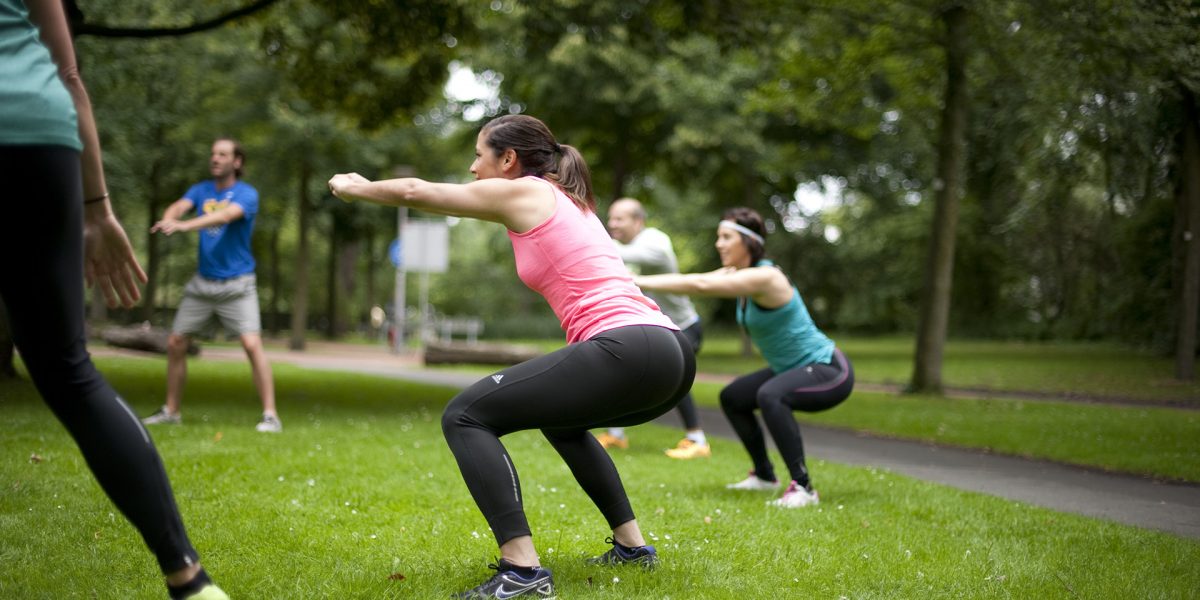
<point x="570" y="260"/>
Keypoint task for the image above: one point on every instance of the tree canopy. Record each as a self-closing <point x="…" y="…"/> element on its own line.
<point x="828" y="117"/>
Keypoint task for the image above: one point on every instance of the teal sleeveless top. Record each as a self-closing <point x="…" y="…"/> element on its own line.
<point x="35" y="107"/>
<point x="786" y="336"/>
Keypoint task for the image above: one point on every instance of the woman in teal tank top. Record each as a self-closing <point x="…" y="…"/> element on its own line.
<point x="57" y="231"/>
<point x="805" y="370"/>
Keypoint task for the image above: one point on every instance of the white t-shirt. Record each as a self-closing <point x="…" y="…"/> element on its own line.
<point x="651" y="253"/>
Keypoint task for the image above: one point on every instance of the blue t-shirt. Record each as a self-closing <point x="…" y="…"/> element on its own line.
<point x="786" y="336"/>
<point x="225" y="249"/>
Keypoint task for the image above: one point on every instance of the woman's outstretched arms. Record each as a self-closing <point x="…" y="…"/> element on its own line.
<point x="520" y="204"/>
<point x="767" y="285"/>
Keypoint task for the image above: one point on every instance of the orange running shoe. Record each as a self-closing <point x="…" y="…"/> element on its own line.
<point x="611" y="441"/>
<point x="687" y="449"/>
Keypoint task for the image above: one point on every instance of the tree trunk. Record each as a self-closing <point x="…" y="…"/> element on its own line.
<point x="143" y="337"/>
<point x="300" y="293"/>
<point x="7" y="368"/>
<point x="371" y="268"/>
<point x="1188" y="217"/>
<point x="331" y="285"/>
<point x="273" y="273"/>
<point x="347" y="258"/>
<point x="939" y="268"/>
<point x="443" y="353"/>
<point x="153" y="248"/>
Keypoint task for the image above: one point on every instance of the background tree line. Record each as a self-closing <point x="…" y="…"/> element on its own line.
<point x="1008" y="169"/>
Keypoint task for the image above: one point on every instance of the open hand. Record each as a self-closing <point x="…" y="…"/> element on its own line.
<point x="108" y="260"/>
<point x="168" y="226"/>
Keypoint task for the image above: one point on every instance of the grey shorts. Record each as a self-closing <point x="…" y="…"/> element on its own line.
<point x="234" y="301"/>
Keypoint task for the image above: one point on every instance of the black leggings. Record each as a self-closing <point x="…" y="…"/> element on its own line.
<point x="619" y="378"/>
<point x="41" y="281"/>
<point x="687" y="406"/>
<point x="808" y="388"/>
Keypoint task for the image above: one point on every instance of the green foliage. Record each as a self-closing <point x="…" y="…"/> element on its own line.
<point x="692" y="107"/>
<point x="371" y="61"/>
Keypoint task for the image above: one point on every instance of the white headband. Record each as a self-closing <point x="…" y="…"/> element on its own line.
<point x="743" y="230"/>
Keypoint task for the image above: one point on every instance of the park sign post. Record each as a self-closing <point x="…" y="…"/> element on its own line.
<point x="423" y="246"/>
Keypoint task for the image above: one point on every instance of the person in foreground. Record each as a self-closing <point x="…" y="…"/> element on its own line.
<point x="805" y="369"/>
<point x="625" y="362"/>
<point x="58" y="229"/>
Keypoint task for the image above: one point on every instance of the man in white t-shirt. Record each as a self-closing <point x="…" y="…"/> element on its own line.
<point x="648" y="251"/>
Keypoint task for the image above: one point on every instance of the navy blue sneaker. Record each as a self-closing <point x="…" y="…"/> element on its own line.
<point x="507" y="583"/>
<point x="644" y="556"/>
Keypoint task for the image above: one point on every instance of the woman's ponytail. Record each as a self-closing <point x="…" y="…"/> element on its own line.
<point x="541" y="155"/>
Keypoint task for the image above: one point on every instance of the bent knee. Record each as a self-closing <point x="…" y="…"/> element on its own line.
<point x="727" y="399"/>
<point x="177" y="342"/>
<point x="450" y="418"/>
<point x="455" y="414"/>
<point x="767" y="401"/>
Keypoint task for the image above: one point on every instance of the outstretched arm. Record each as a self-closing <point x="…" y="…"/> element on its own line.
<point x="766" y="285"/>
<point x="170" y="222"/>
<point x="109" y="262"/>
<point x="518" y="204"/>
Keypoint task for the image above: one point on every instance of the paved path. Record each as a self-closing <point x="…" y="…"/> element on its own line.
<point x="1122" y="498"/>
<point x="1138" y="501"/>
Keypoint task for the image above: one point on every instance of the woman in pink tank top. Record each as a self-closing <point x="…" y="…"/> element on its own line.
<point x="625" y="362"/>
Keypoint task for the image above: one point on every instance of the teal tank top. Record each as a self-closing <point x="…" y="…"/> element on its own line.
<point x="35" y="107"/>
<point x="786" y="336"/>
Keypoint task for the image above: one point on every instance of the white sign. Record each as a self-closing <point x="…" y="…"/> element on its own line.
<point x="425" y="247"/>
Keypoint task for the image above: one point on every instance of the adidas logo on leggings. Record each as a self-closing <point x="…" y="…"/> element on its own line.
<point x="497" y="378"/>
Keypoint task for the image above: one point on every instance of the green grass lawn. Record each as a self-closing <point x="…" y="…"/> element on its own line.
<point x="1102" y="370"/>
<point x="360" y="498"/>
<point x="1160" y="442"/>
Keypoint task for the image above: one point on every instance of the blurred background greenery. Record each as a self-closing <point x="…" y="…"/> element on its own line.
<point x="1012" y="169"/>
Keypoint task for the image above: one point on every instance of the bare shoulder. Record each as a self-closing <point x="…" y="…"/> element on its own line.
<point x="773" y="287"/>
<point x="527" y="202"/>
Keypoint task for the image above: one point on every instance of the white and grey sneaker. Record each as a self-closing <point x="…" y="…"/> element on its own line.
<point x="507" y="583"/>
<point x="754" y="483"/>
<point x="795" y="497"/>
<point x="269" y="424"/>
<point x="162" y="417"/>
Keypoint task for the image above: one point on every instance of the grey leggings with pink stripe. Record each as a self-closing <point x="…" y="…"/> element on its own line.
<point x="809" y="388"/>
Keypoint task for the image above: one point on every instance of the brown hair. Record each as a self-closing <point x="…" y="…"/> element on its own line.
<point x="750" y="219"/>
<point x="542" y="156"/>
<point x="238" y="153"/>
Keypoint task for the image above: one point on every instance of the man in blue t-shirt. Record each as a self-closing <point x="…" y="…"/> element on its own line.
<point x="225" y="285"/>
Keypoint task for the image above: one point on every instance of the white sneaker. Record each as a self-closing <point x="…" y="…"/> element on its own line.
<point x="754" y="483"/>
<point x="795" y="497"/>
<point x="162" y="417"/>
<point x="269" y="424"/>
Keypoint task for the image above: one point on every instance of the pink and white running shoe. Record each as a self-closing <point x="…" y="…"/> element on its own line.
<point x="795" y="496"/>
